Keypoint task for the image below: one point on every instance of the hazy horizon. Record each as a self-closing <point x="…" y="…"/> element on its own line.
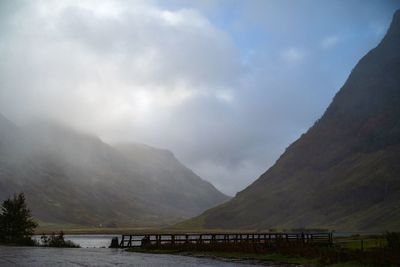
<point x="226" y="86"/>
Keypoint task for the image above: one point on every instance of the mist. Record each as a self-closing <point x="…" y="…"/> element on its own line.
<point x="225" y="91"/>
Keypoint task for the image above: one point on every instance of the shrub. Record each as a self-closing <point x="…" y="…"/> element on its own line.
<point x="393" y="240"/>
<point x="57" y="241"/>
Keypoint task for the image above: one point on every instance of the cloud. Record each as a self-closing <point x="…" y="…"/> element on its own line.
<point x="292" y="55"/>
<point x="225" y="86"/>
<point x="113" y="56"/>
<point x="329" y="41"/>
<point x="125" y="71"/>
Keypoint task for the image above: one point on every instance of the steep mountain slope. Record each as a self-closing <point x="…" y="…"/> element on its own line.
<point x="171" y="176"/>
<point x="344" y="173"/>
<point x="70" y="177"/>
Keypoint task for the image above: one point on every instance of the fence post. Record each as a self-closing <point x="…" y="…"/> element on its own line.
<point x="122" y="241"/>
<point x="130" y="241"/>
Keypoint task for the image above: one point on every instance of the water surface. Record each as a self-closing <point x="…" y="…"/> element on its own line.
<point x="89" y="241"/>
<point x="46" y="257"/>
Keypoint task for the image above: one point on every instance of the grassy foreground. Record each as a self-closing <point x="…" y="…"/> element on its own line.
<point x="356" y="250"/>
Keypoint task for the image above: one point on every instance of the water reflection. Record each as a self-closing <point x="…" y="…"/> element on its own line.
<point x="88" y="241"/>
<point x="44" y="257"/>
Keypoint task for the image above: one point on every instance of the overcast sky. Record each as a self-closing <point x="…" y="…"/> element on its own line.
<point x="225" y="85"/>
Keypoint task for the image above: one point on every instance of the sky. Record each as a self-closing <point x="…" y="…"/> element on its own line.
<point x="225" y="85"/>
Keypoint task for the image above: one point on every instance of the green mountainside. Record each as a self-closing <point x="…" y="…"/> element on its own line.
<point x="73" y="178"/>
<point x="344" y="173"/>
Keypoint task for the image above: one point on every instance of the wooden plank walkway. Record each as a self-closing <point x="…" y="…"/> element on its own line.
<point x="138" y="240"/>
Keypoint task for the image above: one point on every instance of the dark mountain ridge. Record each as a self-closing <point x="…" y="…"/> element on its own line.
<point x="344" y="173"/>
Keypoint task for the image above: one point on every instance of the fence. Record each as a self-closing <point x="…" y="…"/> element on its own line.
<point x="138" y="240"/>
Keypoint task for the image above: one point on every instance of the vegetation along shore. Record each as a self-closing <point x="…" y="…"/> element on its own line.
<point x="356" y="250"/>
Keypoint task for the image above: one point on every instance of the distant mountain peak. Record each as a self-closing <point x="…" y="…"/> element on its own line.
<point x="394" y="29"/>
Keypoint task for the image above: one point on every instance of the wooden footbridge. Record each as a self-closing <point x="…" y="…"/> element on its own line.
<point x="141" y="240"/>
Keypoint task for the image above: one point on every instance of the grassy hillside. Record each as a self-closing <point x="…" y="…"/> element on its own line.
<point x="344" y="173"/>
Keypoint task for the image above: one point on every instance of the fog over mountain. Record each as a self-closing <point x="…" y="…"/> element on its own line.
<point x="225" y="85"/>
<point x="70" y="177"/>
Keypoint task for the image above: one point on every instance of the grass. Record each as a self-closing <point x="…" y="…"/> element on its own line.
<point x="94" y="230"/>
<point x="359" y="242"/>
<point x="81" y="230"/>
<point x="194" y="223"/>
<point x="44" y="227"/>
<point x="363" y="244"/>
<point x="351" y="255"/>
<point x="48" y="228"/>
<point x="78" y="229"/>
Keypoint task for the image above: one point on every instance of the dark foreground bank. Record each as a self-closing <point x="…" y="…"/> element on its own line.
<point x="348" y="252"/>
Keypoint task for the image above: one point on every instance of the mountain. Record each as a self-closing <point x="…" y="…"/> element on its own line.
<point x="171" y="176"/>
<point x="73" y="178"/>
<point x="344" y="173"/>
